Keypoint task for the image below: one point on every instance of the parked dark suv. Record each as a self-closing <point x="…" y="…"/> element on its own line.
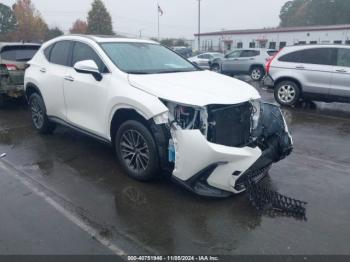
<point x="13" y="58"/>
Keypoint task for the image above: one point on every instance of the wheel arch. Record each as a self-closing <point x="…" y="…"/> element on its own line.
<point x="256" y="65"/>
<point x="122" y="115"/>
<point x="30" y="89"/>
<point x="159" y="132"/>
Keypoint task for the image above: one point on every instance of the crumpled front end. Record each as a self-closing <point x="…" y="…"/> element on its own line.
<point x="215" y="148"/>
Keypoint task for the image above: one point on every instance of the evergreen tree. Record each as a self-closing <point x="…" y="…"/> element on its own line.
<point x="8" y="21"/>
<point x="53" y="32"/>
<point x="99" y="20"/>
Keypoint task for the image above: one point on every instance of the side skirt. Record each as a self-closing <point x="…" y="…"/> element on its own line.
<point x="60" y="121"/>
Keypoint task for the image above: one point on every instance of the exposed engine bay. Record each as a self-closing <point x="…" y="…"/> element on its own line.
<point x="219" y="150"/>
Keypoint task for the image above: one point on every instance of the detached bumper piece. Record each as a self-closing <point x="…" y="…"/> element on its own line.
<point x="264" y="199"/>
<point x="277" y="144"/>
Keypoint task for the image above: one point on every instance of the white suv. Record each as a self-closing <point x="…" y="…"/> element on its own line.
<point x="159" y="111"/>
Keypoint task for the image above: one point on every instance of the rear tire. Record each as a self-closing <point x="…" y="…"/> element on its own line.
<point x="257" y="73"/>
<point x="137" y="151"/>
<point x="40" y="120"/>
<point x="287" y="93"/>
<point x="216" y="68"/>
<point x="2" y="100"/>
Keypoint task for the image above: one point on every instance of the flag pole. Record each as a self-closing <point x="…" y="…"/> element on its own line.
<point x="158" y="21"/>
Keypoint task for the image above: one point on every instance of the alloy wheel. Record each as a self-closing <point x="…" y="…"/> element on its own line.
<point x="256" y="74"/>
<point x="37" y="114"/>
<point x="134" y="150"/>
<point x="286" y="93"/>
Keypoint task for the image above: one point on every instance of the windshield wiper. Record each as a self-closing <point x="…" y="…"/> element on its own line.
<point x="176" y="71"/>
<point x="139" y="72"/>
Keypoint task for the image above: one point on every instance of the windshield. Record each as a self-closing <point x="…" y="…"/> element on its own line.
<point x="146" y="58"/>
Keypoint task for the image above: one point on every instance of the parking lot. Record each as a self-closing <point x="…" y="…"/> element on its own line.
<point x="81" y="181"/>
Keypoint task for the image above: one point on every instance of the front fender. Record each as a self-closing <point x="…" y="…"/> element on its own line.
<point x="147" y="106"/>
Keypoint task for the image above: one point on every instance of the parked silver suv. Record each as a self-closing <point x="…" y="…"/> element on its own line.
<point x="244" y="62"/>
<point x="314" y="72"/>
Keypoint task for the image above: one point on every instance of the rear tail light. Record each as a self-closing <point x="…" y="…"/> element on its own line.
<point x="11" y="67"/>
<point x="269" y="61"/>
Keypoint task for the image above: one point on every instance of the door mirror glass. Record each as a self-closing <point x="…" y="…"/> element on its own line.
<point x="88" y="67"/>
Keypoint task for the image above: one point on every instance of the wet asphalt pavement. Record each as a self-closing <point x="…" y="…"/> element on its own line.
<point x="82" y="175"/>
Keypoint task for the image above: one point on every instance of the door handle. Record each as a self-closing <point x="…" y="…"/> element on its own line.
<point x="43" y="70"/>
<point x="341" y="71"/>
<point x="300" y="67"/>
<point x="69" y="78"/>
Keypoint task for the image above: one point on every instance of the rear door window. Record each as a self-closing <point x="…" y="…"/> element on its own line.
<point x="206" y="56"/>
<point x="317" y="56"/>
<point x="234" y="54"/>
<point x="250" y="53"/>
<point x="18" y="53"/>
<point x="60" y="53"/>
<point x="343" y="57"/>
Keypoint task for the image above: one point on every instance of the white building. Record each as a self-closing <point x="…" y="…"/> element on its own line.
<point x="274" y="38"/>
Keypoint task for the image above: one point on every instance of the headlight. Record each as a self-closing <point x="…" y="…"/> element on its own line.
<point x="187" y="116"/>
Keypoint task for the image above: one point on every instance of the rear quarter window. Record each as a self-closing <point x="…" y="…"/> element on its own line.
<point x="47" y="52"/>
<point x="317" y="56"/>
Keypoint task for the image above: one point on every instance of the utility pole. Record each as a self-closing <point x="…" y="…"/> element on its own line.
<point x="199" y="25"/>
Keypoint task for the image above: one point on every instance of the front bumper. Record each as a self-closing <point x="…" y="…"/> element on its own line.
<point x="214" y="170"/>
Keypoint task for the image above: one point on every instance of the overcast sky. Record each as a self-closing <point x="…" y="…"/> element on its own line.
<point x="179" y="19"/>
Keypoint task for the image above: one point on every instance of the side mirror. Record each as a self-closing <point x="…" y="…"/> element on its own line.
<point x="88" y="67"/>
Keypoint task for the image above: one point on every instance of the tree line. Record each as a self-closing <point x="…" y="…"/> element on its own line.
<point x="315" y="12"/>
<point x="23" y="22"/>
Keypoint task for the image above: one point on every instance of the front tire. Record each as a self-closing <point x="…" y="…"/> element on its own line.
<point x="137" y="151"/>
<point x="287" y="93"/>
<point x="256" y="73"/>
<point x="40" y="120"/>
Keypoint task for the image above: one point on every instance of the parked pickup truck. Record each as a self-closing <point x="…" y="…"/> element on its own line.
<point x="13" y="59"/>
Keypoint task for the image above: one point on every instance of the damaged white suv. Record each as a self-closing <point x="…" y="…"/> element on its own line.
<point x="159" y="111"/>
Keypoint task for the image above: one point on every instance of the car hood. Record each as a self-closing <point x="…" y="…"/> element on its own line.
<point x="198" y="88"/>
